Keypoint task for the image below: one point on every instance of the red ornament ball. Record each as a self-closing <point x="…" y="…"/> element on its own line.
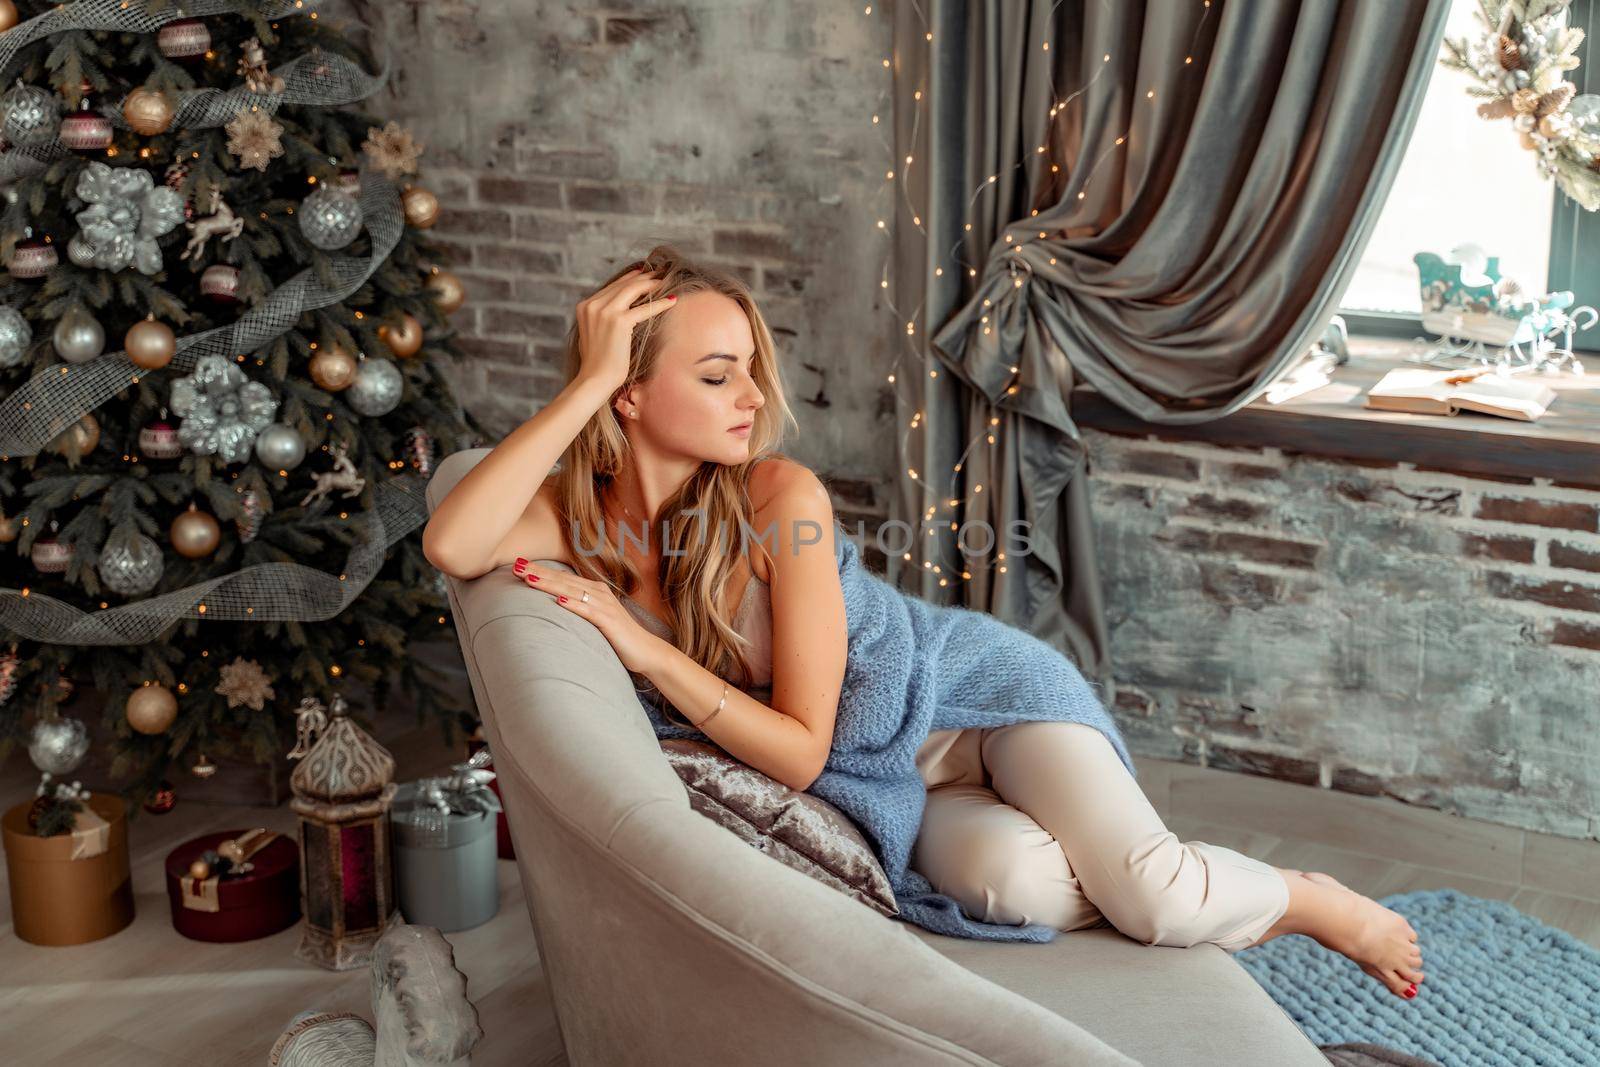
<point x="220" y="282"/>
<point x="160" y="441"/>
<point x="163" y="800"/>
<point x="184" y="39"/>
<point x="32" y="259"/>
<point x="86" y="131"/>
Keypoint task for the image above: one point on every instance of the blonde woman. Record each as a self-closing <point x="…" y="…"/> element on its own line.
<point x="678" y="530"/>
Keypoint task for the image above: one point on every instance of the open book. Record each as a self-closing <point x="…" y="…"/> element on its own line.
<point x="1443" y="392"/>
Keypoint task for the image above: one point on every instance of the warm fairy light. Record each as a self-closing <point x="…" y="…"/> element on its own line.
<point x="201" y="608"/>
<point x="335" y="670"/>
<point x="1015" y="246"/>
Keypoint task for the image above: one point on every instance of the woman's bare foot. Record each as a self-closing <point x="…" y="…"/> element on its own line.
<point x="1379" y="940"/>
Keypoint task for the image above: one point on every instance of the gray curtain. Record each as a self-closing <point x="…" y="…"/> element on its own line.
<point x="1178" y="270"/>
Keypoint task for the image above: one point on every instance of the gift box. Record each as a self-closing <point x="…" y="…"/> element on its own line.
<point x="502" y="832"/>
<point x="70" y="888"/>
<point x="256" y="897"/>
<point x="445" y="849"/>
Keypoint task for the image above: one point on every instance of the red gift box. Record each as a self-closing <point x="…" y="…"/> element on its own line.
<point x="237" y="907"/>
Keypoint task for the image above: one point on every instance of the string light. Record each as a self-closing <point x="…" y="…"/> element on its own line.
<point x="1016" y="266"/>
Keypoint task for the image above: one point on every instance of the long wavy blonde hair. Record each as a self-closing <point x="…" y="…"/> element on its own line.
<point x="696" y="564"/>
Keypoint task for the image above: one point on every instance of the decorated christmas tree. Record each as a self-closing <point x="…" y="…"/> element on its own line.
<point x="221" y="328"/>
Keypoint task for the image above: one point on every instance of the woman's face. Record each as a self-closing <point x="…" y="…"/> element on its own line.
<point x="701" y="389"/>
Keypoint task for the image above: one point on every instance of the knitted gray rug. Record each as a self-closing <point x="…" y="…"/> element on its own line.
<point x="1502" y="987"/>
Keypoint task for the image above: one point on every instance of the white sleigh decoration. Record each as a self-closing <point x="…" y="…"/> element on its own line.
<point x="1486" y="319"/>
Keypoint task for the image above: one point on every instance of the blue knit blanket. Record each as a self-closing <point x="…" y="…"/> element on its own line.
<point x="914" y="667"/>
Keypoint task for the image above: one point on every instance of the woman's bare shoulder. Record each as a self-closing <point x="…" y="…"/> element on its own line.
<point x="774" y="476"/>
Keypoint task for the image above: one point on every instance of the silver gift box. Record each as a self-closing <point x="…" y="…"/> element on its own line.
<point x="444" y="861"/>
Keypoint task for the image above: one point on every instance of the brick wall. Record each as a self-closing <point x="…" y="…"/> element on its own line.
<point x="564" y="139"/>
<point x="1380" y="629"/>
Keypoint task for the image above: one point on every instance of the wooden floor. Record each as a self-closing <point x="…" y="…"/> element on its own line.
<point x="147" y="996"/>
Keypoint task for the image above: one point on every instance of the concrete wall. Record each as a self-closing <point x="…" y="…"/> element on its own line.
<point x="1378" y="629"/>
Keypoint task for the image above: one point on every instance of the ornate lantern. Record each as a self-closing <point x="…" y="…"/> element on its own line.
<point x="342" y="791"/>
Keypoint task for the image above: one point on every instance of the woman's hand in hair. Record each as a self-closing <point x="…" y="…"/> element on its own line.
<point x="638" y="648"/>
<point x="605" y="325"/>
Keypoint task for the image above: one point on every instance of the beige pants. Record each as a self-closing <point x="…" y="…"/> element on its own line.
<point x="1041" y="822"/>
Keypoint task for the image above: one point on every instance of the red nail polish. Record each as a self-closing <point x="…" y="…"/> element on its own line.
<point x="1411" y="992"/>
<point x="533" y="577"/>
<point x="519" y="566"/>
<point x="562" y="599"/>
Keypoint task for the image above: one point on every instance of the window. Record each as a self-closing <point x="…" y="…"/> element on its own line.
<point x="1465" y="179"/>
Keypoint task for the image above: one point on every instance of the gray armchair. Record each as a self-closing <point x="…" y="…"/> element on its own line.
<point x="667" y="940"/>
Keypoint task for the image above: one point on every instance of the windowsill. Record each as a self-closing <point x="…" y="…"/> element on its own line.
<point x="1563" y="445"/>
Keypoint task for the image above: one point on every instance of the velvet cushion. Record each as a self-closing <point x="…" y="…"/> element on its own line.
<point x="796" y="829"/>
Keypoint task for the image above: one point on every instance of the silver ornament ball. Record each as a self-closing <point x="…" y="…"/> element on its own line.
<point x="279" y="447"/>
<point x="133" y="567"/>
<point x="15" y="336"/>
<point x="79" y="337"/>
<point x="31" y="115"/>
<point x="58" y="746"/>
<point x="330" y="218"/>
<point x="82" y="252"/>
<point x="376" y="390"/>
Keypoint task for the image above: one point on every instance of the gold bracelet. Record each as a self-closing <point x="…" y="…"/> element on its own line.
<point x="701" y="724"/>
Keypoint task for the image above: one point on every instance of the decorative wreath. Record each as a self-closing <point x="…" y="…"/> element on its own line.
<point x="1521" y="63"/>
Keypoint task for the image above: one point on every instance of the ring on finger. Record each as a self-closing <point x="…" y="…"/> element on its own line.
<point x="584" y="599"/>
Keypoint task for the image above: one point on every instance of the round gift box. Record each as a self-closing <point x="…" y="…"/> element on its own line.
<point x="58" y="900"/>
<point x="448" y="881"/>
<point x="258" y="903"/>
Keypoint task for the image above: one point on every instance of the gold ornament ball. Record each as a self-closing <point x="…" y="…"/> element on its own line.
<point x="199" y="870"/>
<point x="194" y="534"/>
<point x="333" y="368"/>
<point x="151" y="709"/>
<point x="448" y="289"/>
<point x="147" y="112"/>
<point x="8" y="15"/>
<point x="421" y="207"/>
<point x="9" y="529"/>
<point x="77" y="440"/>
<point x="150" y="344"/>
<point x="403" y="340"/>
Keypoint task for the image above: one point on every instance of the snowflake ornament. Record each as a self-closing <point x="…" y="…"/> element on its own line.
<point x="255" y="138"/>
<point x="244" y="683"/>
<point x="392" y="150"/>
